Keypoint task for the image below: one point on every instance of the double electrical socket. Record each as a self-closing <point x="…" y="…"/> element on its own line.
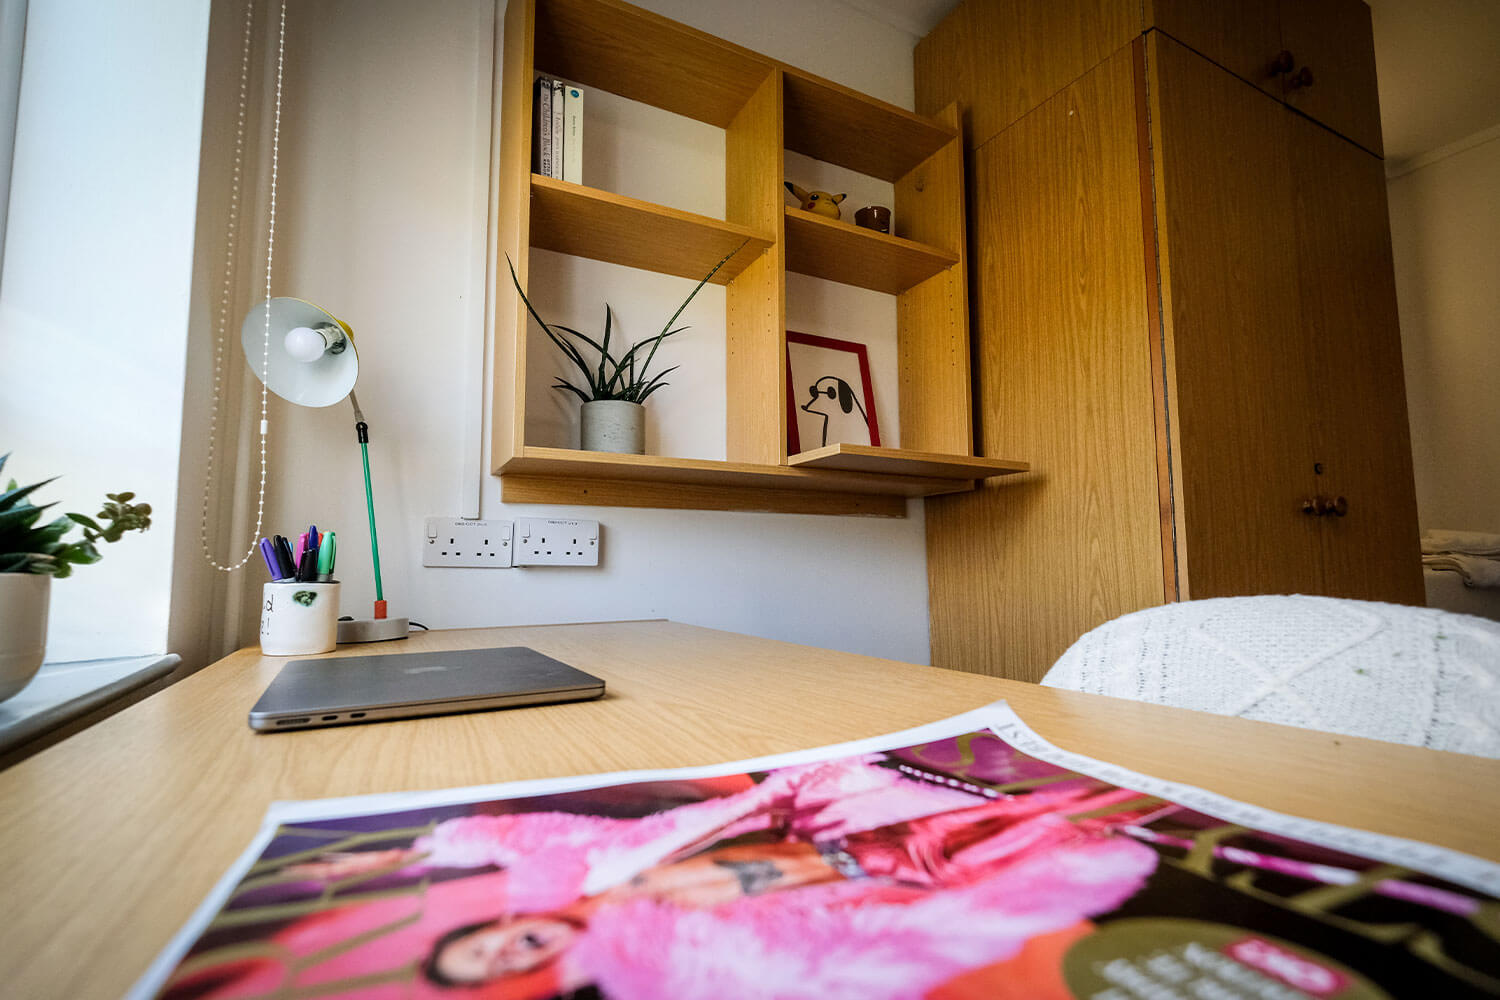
<point x="556" y="542"/>
<point x="538" y="541"/>
<point x="452" y="541"/>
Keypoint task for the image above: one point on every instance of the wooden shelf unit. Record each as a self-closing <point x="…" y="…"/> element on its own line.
<point x="765" y="108"/>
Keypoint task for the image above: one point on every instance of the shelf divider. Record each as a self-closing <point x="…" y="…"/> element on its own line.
<point x="900" y="462"/>
<point x="841" y="251"/>
<point x="587" y="222"/>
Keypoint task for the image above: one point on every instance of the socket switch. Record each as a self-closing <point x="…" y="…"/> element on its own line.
<point x="556" y="542"/>
<point x="452" y="541"/>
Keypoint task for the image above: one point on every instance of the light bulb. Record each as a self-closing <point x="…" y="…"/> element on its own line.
<point x="305" y="344"/>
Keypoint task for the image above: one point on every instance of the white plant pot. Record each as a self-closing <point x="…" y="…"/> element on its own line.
<point x="613" y="425"/>
<point x="23" y="628"/>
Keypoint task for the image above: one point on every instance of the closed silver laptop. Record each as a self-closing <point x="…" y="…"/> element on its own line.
<point x="353" y="689"/>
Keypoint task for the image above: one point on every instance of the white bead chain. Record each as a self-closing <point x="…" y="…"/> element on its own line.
<point x="226" y="292"/>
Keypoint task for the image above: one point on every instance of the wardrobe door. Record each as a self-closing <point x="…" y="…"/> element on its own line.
<point x="1362" y="442"/>
<point x="1333" y="46"/>
<point x="1241" y="419"/>
<point x="1243" y="36"/>
<point x="1001" y="58"/>
<point x="1018" y="571"/>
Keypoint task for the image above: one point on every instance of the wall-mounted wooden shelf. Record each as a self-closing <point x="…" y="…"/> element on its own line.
<point x="765" y="108"/>
<point x="588" y="222"/>
<point x="901" y="462"/>
<point x="841" y="126"/>
<point x="838" y="251"/>
<point x="563" y="475"/>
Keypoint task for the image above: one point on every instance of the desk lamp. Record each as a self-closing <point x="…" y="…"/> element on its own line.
<point x="306" y="356"/>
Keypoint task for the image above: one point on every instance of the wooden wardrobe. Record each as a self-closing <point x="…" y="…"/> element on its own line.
<point x="1183" y="313"/>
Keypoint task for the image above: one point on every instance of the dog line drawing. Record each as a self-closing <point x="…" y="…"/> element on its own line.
<point x="832" y="387"/>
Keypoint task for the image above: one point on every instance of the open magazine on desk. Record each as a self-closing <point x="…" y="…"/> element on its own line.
<point x="964" y="859"/>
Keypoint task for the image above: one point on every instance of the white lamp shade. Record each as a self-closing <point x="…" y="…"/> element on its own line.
<point x="294" y="325"/>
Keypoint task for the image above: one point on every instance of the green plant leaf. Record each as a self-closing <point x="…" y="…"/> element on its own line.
<point x="560" y="384"/>
<point x="82" y="553"/>
<point x="22" y="517"/>
<point x="691" y="295"/>
<point x="563" y="345"/>
<point x="51" y="533"/>
<point x="630" y="355"/>
<point x="41" y="562"/>
<point x="572" y="353"/>
<point x="584" y="366"/>
<point x="581" y="336"/>
<point x="89" y="522"/>
<point x="14" y="495"/>
<point x="604" y="348"/>
<point x="655" y="384"/>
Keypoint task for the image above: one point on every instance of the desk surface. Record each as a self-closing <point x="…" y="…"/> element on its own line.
<point x="115" y="835"/>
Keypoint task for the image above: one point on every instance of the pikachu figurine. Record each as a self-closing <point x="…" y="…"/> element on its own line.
<point x="820" y="202"/>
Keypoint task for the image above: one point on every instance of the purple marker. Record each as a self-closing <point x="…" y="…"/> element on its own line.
<point x="268" y="553"/>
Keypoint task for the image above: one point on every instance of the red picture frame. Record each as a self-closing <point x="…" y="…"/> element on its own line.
<point x="837" y="388"/>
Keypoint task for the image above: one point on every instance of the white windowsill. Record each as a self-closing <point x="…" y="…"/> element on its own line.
<point x="62" y="692"/>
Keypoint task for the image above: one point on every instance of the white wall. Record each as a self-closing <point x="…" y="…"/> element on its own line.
<point x="1445" y="232"/>
<point x="381" y="164"/>
<point x="94" y="294"/>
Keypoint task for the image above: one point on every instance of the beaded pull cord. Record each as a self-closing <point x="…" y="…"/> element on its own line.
<point x="226" y="290"/>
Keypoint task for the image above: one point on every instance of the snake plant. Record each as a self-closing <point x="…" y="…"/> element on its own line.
<point x="627" y="377"/>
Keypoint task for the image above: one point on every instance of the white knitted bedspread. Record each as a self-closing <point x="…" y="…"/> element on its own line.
<point x="1385" y="671"/>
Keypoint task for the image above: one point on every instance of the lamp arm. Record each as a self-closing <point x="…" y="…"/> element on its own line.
<point x="362" y="429"/>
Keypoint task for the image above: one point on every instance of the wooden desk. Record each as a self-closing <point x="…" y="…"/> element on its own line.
<point x="112" y="837"/>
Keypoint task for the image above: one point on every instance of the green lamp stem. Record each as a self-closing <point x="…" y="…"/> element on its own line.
<point x="363" y="430"/>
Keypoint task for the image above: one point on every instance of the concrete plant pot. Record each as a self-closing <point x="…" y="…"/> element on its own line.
<point x="614" y="425"/>
<point x="24" y="599"/>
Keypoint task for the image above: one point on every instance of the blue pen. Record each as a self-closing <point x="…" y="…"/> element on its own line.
<point x="312" y="536"/>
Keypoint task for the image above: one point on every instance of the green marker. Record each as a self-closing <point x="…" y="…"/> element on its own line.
<point x="326" y="552"/>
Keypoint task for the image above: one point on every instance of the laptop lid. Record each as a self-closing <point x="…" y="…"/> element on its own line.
<point x="353" y="689"/>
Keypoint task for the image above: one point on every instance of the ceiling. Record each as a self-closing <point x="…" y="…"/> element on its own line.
<point x="915" y="17"/>
<point x="1439" y="68"/>
<point x="1438" y="63"/>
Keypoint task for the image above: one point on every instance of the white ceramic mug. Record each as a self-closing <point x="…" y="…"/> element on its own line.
<point x="298" y="618"/>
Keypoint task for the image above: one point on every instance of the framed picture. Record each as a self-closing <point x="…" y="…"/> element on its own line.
<point x="829" y="396"/>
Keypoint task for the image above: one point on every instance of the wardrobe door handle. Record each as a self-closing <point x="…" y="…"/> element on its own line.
<point x="1281" y="64"/>
<point x="1321" y="506"/>
<point x="1302" y="78"/>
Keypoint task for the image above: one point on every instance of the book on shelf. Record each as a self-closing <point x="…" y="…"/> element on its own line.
<point x="557" y="132"/>
<point x="558" y="153"/>
<point x="572" y="135"/>
<point x="541" y="140"/>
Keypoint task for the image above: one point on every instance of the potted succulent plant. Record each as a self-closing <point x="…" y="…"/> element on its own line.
<point x="31" y="555"/>
<point x="615" y="389"/>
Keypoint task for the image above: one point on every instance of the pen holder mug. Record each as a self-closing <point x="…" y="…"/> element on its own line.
<point x="298" y="618"/>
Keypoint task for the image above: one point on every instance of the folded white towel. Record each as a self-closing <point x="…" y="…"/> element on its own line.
<point x="1477" y="571"/>
<point x="1472" y="543"/>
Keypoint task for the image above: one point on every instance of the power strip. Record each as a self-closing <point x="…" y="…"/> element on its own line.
<point x="556" y="542"/>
